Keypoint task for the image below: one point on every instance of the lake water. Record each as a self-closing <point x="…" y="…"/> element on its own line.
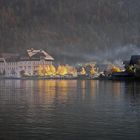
<point x="69" y="110"/>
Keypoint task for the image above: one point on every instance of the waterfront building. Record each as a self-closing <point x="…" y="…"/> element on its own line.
<point x="14" y="65"/>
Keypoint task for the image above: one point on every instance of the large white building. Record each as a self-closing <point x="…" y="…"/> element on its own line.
<point x="13" y="65"/>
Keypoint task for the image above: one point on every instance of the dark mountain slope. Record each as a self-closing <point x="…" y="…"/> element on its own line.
<point x="71" y="29"/>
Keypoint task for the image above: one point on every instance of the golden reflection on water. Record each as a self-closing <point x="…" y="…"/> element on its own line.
<point x="83" y="88"/>
<point x="63" y="90"/>
<point x="52" y="90"/>
<point x="46" y="90"/>
<point x="116" y="86"/>
<point x="94" y="87"/>
<point x="87" y="89"/>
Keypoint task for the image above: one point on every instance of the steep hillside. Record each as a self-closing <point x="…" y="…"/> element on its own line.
<point x="71" y="30"/>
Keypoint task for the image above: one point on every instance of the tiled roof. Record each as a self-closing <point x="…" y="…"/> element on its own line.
<point x="39" y="54"/>
<point x="29" y="55"/>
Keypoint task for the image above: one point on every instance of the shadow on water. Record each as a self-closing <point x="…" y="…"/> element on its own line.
<point x="132" y="88"/>
<point x="132" y="94"/>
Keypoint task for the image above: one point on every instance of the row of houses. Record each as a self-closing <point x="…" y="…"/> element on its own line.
<point x="12" y="65"/>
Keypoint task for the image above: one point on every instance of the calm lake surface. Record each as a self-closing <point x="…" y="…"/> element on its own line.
<point x="69" y="110"/>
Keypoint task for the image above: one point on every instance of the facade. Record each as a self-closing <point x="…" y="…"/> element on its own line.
<point x="14" y="65"/>
<point x="135" y="60"/>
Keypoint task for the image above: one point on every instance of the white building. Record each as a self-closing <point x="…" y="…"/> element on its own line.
<point x="13" y="65"/>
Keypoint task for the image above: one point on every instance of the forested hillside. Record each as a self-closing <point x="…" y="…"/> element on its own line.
<point x="71" y="30"/>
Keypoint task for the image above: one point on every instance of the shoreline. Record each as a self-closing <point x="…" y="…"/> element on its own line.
<point x="74" y="78"/>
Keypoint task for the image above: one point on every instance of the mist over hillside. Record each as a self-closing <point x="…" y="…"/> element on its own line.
<point x="72" y="31"/>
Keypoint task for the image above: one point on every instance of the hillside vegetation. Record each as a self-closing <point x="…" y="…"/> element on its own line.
<point x="69" y="29"/>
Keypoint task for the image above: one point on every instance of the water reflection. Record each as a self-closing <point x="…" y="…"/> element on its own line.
<point x="132" y="95"/>
<point x="61" y="109"/>
<point x="116" y="88"/>
<point x="48" y="90"/>
<point x="87" y="89"/>
<point x="132" y="88"/>
<point x="52" y="90"/>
